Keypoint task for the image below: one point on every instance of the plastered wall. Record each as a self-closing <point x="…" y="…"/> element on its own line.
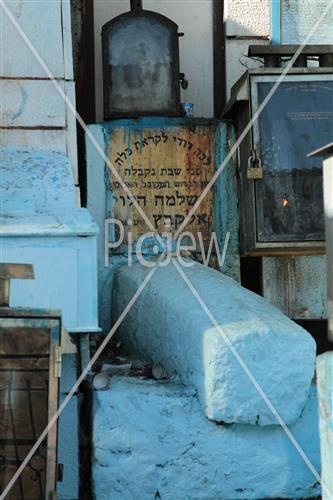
<point x="247" y="23"/>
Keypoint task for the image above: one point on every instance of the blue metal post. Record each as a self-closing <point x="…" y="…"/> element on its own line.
<point x="276" y="22"/>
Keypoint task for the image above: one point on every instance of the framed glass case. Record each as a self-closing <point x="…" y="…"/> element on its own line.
<point x="282" y="197"/>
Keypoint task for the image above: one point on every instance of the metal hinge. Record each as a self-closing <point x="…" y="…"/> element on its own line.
<point x="57" y="361"/>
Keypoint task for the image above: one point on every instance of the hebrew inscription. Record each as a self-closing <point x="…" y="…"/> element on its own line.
<point x="166" y="171"/>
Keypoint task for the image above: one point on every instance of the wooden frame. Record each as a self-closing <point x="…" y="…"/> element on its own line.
<point x="12" y="318"/>
<point x="219" y="57"/>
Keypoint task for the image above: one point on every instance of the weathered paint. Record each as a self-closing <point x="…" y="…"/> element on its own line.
<point x="225" y="200"/>
<point x="35" y="183"/>
<point x="151" y="440"/>
<point x="71" y="144"/>
<point x="40" y="225"/>
<point x="325" y="398"/>
<point x="114" y="137"/>
<point x="166" y="171"/>
<point x="96" y="202"/>
<point x="296" y="285"/>
<point x="176" y="332"/>
<point x="39" y="221"/>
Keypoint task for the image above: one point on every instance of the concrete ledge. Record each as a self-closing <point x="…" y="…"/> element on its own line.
<point x="168" y="326"/>
<point x="151" y="440"/>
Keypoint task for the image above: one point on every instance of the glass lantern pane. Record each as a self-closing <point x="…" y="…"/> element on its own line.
<point x="297" y="120"/>
<point x="140" y="65"/>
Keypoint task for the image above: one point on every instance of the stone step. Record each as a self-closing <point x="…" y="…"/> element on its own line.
<point x="151" y="440"/>
<point x="168" y="326"/>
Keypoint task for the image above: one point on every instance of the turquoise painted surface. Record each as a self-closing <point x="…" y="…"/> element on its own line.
<point x="276" y="22"/>
<point x="226" y="202"/>
<point x="153" y="122"/>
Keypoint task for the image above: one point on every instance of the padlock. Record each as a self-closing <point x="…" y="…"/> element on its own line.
<point x="254" y="167"/>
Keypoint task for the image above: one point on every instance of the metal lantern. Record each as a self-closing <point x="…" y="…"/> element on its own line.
<point x="141" y="65"/>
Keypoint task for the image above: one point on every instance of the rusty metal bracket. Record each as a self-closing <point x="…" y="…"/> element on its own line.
<point x="9" y="272"/>
<point x="57" y="361"/>
<point x="183" y="81"/>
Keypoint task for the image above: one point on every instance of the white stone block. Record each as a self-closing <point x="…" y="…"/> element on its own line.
<point x="151" y="440"/>
<point x="41" y="22"/>
<point x="168" y="326"/>
<point x="32" y="103"/>
<point x="35" y="139"/>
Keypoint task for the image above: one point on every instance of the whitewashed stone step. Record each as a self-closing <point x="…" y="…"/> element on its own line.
<point x="151" y="440"/>
<point x="168" y="326"/>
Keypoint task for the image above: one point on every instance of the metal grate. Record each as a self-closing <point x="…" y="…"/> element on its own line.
<point x="27" y="388"/>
